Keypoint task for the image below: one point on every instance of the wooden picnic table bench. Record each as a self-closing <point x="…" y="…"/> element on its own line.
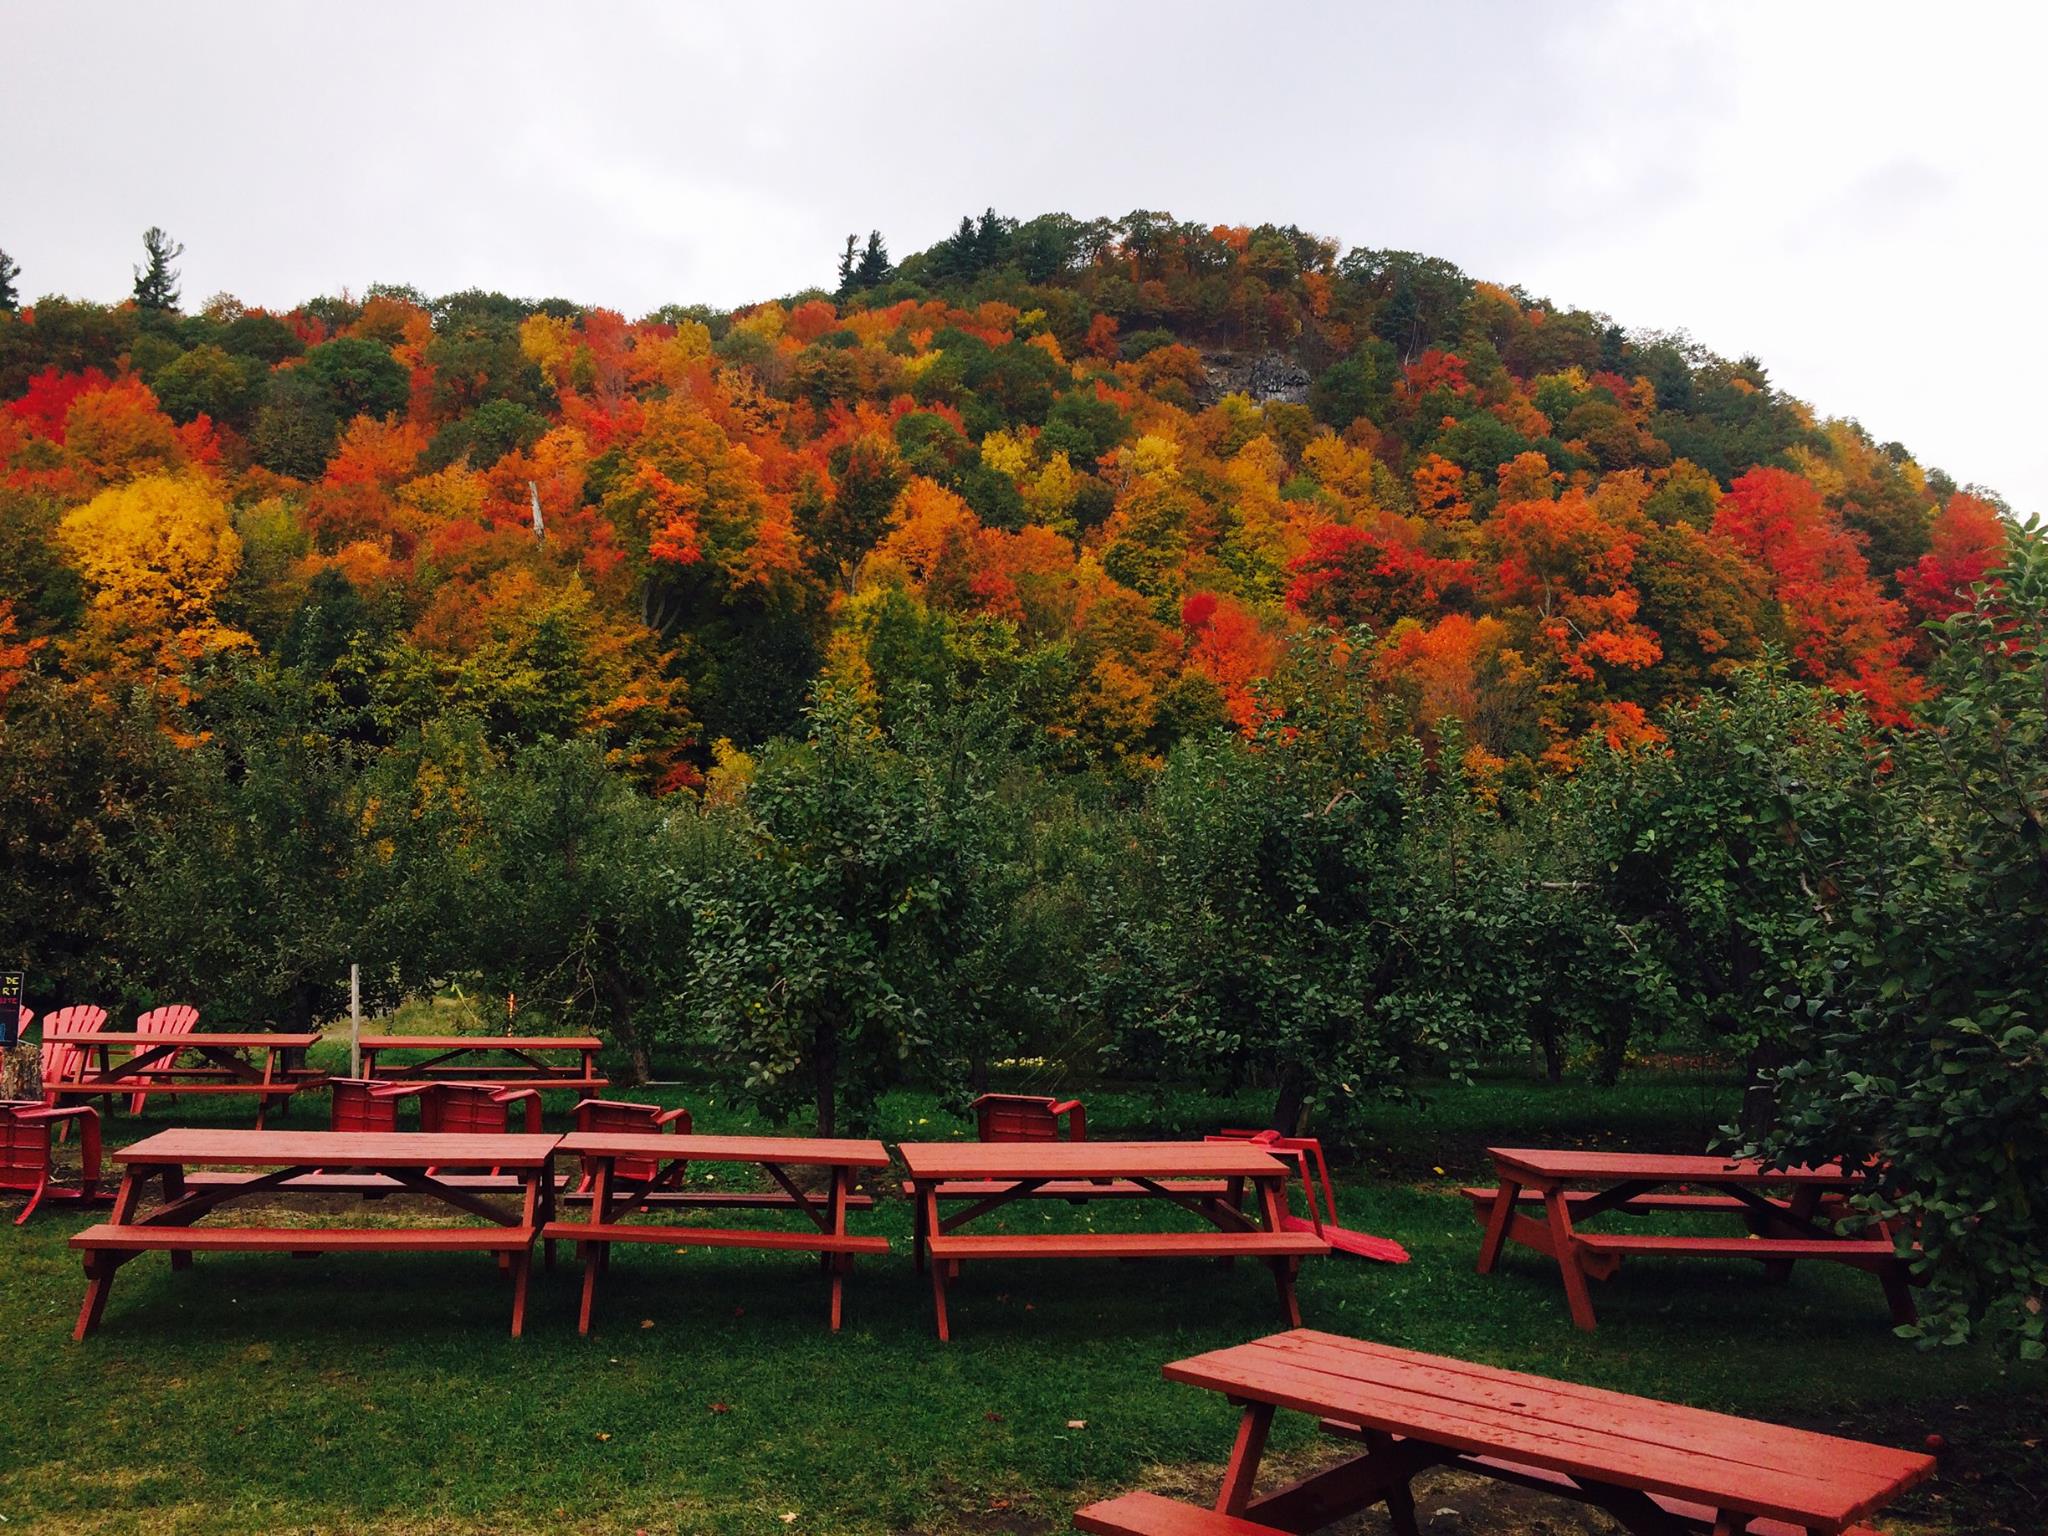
<point x="153" y="1062"/>
<point x="468" y="1059"/>
<point x="1158" y="1170"/>
<point x="1810" y="1219"/>
<point x="1656" y="1468"/>
<point x="305" y="1162"/>
<point x="638" y="1171"/>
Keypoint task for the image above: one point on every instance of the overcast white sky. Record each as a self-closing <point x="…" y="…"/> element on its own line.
<point x="1853" y="192"/>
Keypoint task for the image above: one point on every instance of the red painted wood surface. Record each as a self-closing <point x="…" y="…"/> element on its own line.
<point x="1150" y="1514"/>
<point x="933" y="1160"/>
<point x="1126" y="1245"/>
<point x="1767" y="1249"/>
<point x="1716" y="1459"/>
<point x="790" y="1151"/>
<point x="714" y="1237"/>
<point x="308" y="1239"/>
<point x="243" y="1040"/>
<point x="28" y="1163"/>
<point x="1550" y="1165"/>
<point x="1027" y="1117"/>
<point x="206" y="1147"/>
<point x="481" y="1043"/>
<point x="1074" y="1189"/>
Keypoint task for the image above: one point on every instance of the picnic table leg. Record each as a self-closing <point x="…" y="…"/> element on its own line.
<point x="1241" y="1474"/>
<point x="1271" y="1202"/>
<point x="917" y="1235"/>
<point x="1400" y="1499"/>
<point x="174" y="1191"/>
<point x="1898" y="1292"/>
<point x="100" y="1264"/>
<point x="838" y="1261"/>
<point x="928" y="1199"/>
<point x="594" y="1252"/>
<point x="1502" y="1216"/>
<point x="1576" y="1291"/>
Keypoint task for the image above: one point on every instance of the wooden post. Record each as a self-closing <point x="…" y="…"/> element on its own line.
<point x="355" y="1020"/>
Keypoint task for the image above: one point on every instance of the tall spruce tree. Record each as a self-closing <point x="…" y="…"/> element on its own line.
<point x="9" y="297"/>
<point x="874" y="268"/>
<point x="156" y="283"/>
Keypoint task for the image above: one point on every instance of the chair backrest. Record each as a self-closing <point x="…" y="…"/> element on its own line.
<point x="171" y="1019"/>
<point x="618" y="1116"/>
<point x="474" y="1109"/>
<point x="1015" y="1117"/>
<point x="61" y="1061"/>
<point x="354" y="1104"/>
<point x="24" y="1145"/>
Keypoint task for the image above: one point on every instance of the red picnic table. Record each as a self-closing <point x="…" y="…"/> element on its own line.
<point x="473" y="1059"/>
<point x="152" y="1065"/>
<point x="1656" y="1468"/>
<point x="634" y="1171"/>
<point x="320" y="1163"/>
<point x="993" y="1174"/>
<point x="1782" y="1229"/>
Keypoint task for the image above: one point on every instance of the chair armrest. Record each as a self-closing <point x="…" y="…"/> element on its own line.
<point x="678" y="1118"/>
<point x="1077" y="1119"/>
<point x="50" y="1114"/>
<point x="398" y="1090"/>
<point x="530" y="1097"/>
<point x="583" y="1104"/>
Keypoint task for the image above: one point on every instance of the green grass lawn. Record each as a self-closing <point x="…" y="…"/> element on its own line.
<point x="382" y="1393"/>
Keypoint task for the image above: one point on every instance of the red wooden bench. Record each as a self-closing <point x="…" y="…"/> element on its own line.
<point x="1022" y="1170"/>
<point x="1812" y="1221"/>
<point x="507" y="1061"/>
<point x="28" y="1154"/>
<point x="298" y="1162"/>
<point x="1655" y="1468"/>
<point x="615" y="1195"/>
<point x="163" y="1061"/>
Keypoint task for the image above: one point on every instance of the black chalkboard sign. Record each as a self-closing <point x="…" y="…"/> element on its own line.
<point x="10" y="1007"/>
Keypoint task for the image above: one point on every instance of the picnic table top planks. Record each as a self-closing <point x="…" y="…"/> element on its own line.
<point x="246" y="1040"/>
<point x="207" y="1147"/>
<point x="481" y="1043"/>
<point x="795" y="1151"/>
<point x="1768" y="1470"/>
<point x="1553" y="1163"/>
<point x="933" y="1160"/>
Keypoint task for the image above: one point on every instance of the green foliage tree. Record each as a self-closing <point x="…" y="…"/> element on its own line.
<point x="1924" y="1044"/>
<point x="828" y="955"/>
<point x="10" y="296"/>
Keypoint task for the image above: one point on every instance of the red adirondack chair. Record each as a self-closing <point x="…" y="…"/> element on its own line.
<point x="476" y="1109"/>
<point x="61" y="1061"/>
<point x="28" y="1151"/>
<point x="1023" y="1117"/>
<point x="1302" y="1150"/>
<point x="366" y="1103"/>
<point x="173" y="1019"/>
<point x="616" y="1115"/>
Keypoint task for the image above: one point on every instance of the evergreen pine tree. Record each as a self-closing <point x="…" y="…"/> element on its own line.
<point x="156" y="284"/>
<point x="9" y="297"/>
<point x="874" y="268"/>
<point x="847" y="260"/>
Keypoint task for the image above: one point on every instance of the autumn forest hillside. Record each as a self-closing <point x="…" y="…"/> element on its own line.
<point x="1114" y="465"/>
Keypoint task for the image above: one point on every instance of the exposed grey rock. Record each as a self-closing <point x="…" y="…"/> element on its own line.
<point x="1268" y="376"/>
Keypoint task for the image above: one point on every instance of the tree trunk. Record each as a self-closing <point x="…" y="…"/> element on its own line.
<point x="1760" y="1089"/>
<point x="825" y="1074"/>
<point x="21" y="1072"/>
<point x="1289" y="1102"/>
<point x="1553" y="1050"/>
<point x="619" y="1001"/>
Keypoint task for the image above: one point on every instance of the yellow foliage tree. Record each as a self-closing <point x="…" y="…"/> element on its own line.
<point x="155" y="554"/>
